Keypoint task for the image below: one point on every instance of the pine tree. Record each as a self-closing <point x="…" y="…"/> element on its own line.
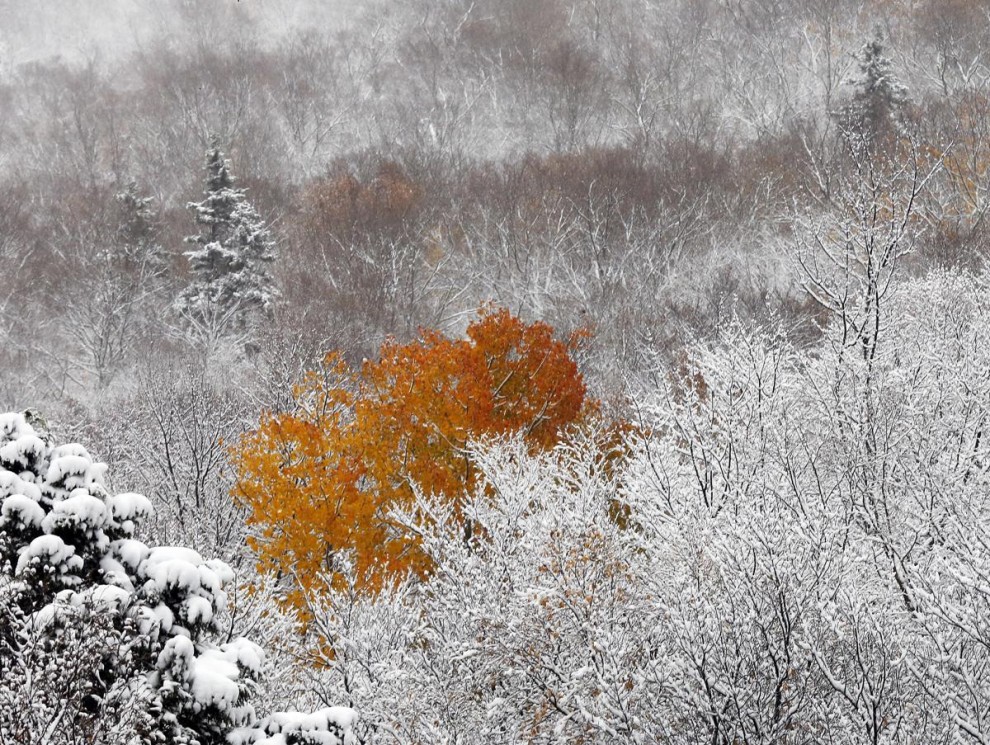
<point x="878" y="98"/>
<point x="137" y="250"/>
<point x="231" y="284"/>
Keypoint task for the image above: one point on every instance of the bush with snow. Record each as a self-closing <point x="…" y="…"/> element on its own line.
<point x="104" y="639"/>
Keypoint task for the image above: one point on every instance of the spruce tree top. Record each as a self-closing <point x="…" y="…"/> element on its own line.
<point x="878" y="95"/>
<point x="215" y="212"/>
<point x="231" y="284"/>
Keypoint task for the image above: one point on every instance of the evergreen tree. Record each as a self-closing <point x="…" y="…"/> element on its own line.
<point x="878" y="97"/>
<point x="75" y="580"/>
<point x="231" y="284"/>
<point x="137" y="250"/>
<point x="105" y="639"/>
<point x="128" y="272"/>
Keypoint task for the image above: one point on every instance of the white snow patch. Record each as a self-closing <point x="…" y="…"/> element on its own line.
<point x="172" y="568"/>
<point x="130" y="506"/>
<point x="71" y="449"/>
<point x="114" y="573"/>
<point x="246" y="653"/>
<point x="331" y="726"/>
<point x="214" y="680"/>
<point x="130" y="552"/>
<point x="12" y="426"/>
<point x="49" y="549"/>
<point x="22" y="509"/>
<point x="68" y="471"/>
<point x="11" y="483"/>
<point x="23" y="451"/>
<point x="109" y="596"/>
<point x="81" y="508"/>
<point x="196" y="610"/>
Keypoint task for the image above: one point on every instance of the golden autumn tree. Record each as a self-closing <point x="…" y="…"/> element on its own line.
<point x="322" y="479"/>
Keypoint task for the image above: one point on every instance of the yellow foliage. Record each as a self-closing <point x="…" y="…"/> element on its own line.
<point x="323" y="479"/>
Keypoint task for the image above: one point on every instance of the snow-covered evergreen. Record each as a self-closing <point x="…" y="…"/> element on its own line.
<point x="138" y="250"/>
<point x="103" y="638"/>
<point x="878" y="96"/>
<point x="231" y="284"/>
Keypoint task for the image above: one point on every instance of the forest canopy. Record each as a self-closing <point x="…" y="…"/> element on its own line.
<point x="494" y="371"/>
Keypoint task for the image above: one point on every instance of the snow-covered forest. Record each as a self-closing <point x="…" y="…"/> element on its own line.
<point x="494" y="371"/>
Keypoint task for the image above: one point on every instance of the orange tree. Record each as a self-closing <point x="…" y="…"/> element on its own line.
<point x="322" y="479"/>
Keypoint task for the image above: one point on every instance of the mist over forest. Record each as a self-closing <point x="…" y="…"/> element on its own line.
<point x="494" y="371"/>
